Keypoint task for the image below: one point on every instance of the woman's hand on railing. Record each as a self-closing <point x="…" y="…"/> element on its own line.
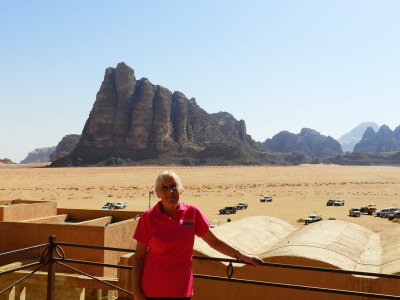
<point x="254" y="261"/>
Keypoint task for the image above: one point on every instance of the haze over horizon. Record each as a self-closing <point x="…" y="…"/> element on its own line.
<point x="278" y="65"/>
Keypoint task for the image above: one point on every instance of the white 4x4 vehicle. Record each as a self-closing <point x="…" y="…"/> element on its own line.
<point x="338" y="203"/>
<point x="312" y="219"/>
<point x="385" y="212"/>
<point x="120" y="205"/>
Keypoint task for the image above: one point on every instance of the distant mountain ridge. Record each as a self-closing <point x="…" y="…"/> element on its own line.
<point x="385" y="140"/>
<point x="308" y="142"/>
<point x="375" y="148"/>
<point x="366" y="159"/>
<point x="39" y="155"/>
<point x="350" y="139"/>
<point x="6" y="161"/>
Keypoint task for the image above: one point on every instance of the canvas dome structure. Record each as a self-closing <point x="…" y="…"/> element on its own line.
<point x="329" y="244"/>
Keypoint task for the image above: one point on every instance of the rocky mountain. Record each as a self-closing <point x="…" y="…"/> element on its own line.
<point x="6" y="161"/>
<point x="134" y="121"/>
<point x="308" y="142"/>
<point x="385" y="140"/>
<point x="350" y="139"/>
<point x="39" y="155"/>
<point x="65" y="146"/>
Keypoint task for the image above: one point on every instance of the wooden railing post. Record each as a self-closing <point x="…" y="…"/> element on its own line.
<point x="51" y="268"/>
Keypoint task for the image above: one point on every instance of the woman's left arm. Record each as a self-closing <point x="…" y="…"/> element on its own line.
<point x="219" y="245"/>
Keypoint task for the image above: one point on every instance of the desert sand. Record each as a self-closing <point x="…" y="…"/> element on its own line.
<point x="297" y="191"/>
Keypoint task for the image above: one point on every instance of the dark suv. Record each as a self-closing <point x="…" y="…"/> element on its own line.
<point x="108" y="205"/>
<point x="228" y="210"/>
<point x="330" y="202"/>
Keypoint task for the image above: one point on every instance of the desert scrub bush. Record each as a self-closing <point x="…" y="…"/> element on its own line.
<point x="300" y="220"/>
<point x="332" y="219"/>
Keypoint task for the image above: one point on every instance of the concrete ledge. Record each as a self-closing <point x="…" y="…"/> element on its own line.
<point x="47" y="220"/>
<point x="104" y="221"/>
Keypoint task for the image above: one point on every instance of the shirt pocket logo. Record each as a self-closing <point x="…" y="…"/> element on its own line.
<point x="186" y="222"/>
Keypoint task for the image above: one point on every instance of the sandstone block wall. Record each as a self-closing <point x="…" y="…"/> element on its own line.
<point x="21" y="210"/>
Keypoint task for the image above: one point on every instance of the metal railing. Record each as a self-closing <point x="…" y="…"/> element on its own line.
<point x="230" y="271"/>
<point x="54" y="254"/>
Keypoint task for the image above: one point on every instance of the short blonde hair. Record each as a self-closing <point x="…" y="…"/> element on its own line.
<point x="168" y="174"/>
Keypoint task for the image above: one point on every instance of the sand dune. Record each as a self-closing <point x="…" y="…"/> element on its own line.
<point x="297" y="191"/>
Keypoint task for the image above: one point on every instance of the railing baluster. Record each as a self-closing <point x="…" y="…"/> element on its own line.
<point x="51" y="275"/>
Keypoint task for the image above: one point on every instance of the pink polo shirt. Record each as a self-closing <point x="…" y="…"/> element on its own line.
<point x="167" y="267"/>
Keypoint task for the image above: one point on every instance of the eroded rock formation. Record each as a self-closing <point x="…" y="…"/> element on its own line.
<point x="135" y="121"/>
<point x="65" y="146"/>
<point x="350" y="139"/>
<point x="308" y="142"/>
<point x="385" y="140"/>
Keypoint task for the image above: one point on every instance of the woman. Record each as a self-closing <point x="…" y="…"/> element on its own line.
<point x="165" y="237"/>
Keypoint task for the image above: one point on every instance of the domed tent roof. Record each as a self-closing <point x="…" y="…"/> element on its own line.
<point x="253" y="235"/>
<point x="342" y="244"/>
<point x="390" y="240"/>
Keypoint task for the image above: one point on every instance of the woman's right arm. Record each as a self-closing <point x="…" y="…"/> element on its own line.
<point x="137" y="271"/>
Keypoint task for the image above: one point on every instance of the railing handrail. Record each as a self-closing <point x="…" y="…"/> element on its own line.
<point x="299" y="287"/>
<point x="308" y="268"/>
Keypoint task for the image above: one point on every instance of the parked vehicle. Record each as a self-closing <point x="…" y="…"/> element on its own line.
<point x="384" y="213"/>
<point x="242" y="206"/>
<point x="330" y="202"/>
<point x="312" y="219"/>
<point x="369" y="209"/>
<point x="338" y="203"/>
<point x="228" y="210"/>
<point x="120" y="205"/>
<point x="266" y="199"/>
<point x="108" y="205"/>
<point x="354" y="212"/>
<point x="394" y="215"/>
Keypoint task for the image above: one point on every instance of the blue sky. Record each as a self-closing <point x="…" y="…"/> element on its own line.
<point x="278" y="65"/>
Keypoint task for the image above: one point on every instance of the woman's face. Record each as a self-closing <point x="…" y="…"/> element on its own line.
<point x="168" y="191"/>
